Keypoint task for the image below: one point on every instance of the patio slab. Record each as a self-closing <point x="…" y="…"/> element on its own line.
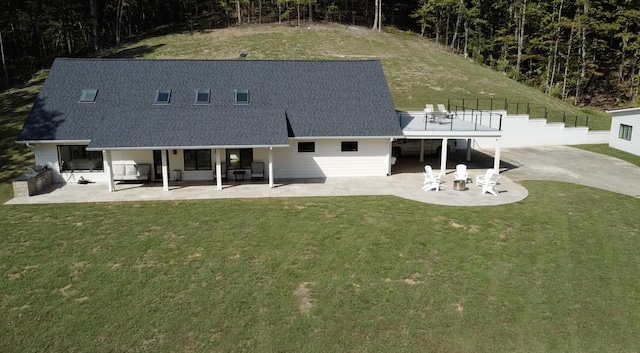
<point x="405" y="185"/>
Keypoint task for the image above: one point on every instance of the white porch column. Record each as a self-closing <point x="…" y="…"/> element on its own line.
<point x="496" y="158"/>
<point x="270" y="167"/>
<point x="218" y="170"/>
<point x="443" y="156"/>
<point x="109" y="165"/>
<point x="421" y="150"/>
<point x="165" y="171"/>
<point x="468" y="150"/>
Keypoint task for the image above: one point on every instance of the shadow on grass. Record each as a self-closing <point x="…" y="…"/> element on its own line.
<point x="14" y="107"/>
<point x="135" y="52"/>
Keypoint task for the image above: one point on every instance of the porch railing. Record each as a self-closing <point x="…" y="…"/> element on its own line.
<point x="453" y="120"/>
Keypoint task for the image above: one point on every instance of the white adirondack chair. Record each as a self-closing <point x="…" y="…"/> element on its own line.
<point x="431" y="180"/>
<point x="489" y="186"/>
<point x="461" y="172"/>
<point x="480" y="179"/>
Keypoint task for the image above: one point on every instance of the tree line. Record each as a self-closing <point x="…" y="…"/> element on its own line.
<point x="583" y="51"/>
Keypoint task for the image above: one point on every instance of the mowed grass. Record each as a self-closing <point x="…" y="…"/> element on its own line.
<point x="417" y="70"/>
<point x="612" y="152"/>
<point x="554" y="273"/>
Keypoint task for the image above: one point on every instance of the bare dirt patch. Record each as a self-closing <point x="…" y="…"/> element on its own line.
<point x="66" y="290"/>
<point x="303" y="293"/>
<point x="24" y="270"/>
<point x="77" y="269"/>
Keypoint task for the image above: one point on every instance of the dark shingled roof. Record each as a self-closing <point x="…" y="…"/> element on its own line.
<point x="319" y="99"/>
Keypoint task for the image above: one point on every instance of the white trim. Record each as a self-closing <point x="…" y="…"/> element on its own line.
<point x="183" y="147"/>
<point x="57" y="142"/>
<point x="626" y="110"/>
<point x="343" y="138"/>
<point x="451" y="134"/>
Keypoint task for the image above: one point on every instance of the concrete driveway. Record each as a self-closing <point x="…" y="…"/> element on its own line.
<point x="562" y="163"/>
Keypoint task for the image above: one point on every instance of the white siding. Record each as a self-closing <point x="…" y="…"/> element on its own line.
<point x="328" y="160"/>
<point x="47" y="154"/>
<point x="631" y="118"/>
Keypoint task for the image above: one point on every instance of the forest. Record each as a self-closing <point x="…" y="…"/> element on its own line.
<point x="582" y="51"/>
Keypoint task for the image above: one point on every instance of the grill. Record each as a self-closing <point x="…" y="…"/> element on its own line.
<point x="37" y="172"/>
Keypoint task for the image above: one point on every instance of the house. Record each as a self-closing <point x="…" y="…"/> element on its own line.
<point x="211" y="118"/>
<point x="623" y="123"/>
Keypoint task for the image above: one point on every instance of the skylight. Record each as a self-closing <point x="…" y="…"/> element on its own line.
<point x="242" y="96"/>
<point x="203" y="96"/>
<point x="88" y="95"/>
<point x="163" y="96"/>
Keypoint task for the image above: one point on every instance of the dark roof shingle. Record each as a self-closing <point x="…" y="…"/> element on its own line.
<point x="320" y="99"/>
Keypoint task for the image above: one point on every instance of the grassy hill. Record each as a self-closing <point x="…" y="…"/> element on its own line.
<point x="418" y="71"/>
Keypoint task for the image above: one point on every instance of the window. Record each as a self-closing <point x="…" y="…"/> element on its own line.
<point x="88" y="95"/>
<point x="197" y="159"/>
<point x="163" y="96"/>
<point x="306" y="146"/>
<point x="625" y="132"/>
<point x="77" y="158"/>
<point x="242" y="96"/>
<point x="203" y="96"/>
<point x="349" y="146"/>
<point x="239" y="158"/>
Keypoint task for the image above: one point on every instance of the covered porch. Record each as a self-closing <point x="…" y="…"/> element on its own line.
<point x="456" y="126"/>
<point x="217" y="164"/>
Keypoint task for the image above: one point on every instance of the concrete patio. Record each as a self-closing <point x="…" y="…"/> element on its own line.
<point x="405" y="184"/>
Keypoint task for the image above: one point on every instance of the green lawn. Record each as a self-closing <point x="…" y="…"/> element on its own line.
<point x="361" y="274"/>
<point x="613" y="152"/>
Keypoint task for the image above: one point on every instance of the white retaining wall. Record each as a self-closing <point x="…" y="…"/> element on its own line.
<point x="521" y="131"/>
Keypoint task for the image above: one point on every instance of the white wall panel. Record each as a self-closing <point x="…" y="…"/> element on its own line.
<point x="626" y="118"/>
<point x="328" y="160"/>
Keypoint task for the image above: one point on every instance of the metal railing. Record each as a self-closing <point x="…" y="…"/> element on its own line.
<point x="478" y="117"/>
<point x="518" y="108"/>
<point x="458" y="120"/>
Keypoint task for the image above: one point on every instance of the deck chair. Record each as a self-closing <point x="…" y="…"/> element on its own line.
<point x="223" y="171"/>
<point x="428" y="173"/>
<point x="431" y="181"/>
<point x="442" y="109"/>
<point x="257" y="170"/>
<point x="429" y="113"/>
<point x="480" y="179"/>
<point x="489" y="186"/>
<point x="461" y="173"/>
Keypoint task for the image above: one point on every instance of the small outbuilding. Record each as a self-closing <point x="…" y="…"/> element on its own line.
<point x="622" y="135"/>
